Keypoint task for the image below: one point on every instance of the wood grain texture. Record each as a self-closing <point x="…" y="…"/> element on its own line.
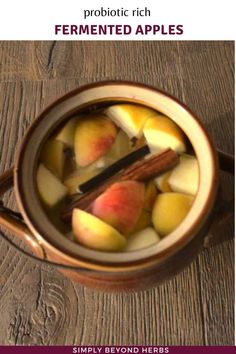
<point x="40" y="306"/>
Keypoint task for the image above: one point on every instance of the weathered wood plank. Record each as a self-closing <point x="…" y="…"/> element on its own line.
<point x="211" y="96"/>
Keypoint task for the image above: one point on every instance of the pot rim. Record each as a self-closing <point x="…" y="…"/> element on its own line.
<point x="68" y="256"/>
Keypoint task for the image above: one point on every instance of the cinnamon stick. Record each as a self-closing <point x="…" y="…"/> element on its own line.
<point x="141" y="171"/>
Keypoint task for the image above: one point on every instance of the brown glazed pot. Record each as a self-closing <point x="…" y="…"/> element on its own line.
<point x="125" y="271"/>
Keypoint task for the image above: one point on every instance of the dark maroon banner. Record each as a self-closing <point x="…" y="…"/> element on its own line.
<point x="117" y="349"/>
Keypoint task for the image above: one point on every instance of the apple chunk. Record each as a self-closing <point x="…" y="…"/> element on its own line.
<point x="120" y="205"/>
<point x="145" y="218"/>
<point x="130" y="117"/>
<point x="169" y="211"/>
<point x="143" y="222"/>
<point x="95" y="233"/>
<point x="161" y="133"/>
<point x="162" y="182"/>
<point x="185" y="177"/>
<point x="53" y="157"/>
<point x="94" y="136"/>
<point x="72" y="182"/>
<point x="67" y="133"/>
<point x="51" y="190"/>
<point x="142" y="239"/>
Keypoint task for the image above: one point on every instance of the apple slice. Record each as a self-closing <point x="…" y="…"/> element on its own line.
<point x="185" y="177"/>
<point x="130" y="118"/>
<point x="136" y="144"/>
<point x="142" y="239"/>
<point x="169" y="211"/>
<point x="94" y="136"/>
<point x="95" y="233"/>
<point x="120" y="205"/>
<point x="51" y="190"/>
<point x="67" y="133"/>
<point x="103" y="162"/>
<point x="53" y="157"/>
<point x="161" y="133"/>
<point x="162" y="182"/>
<point x="120" y="148"/>
<point x="143" y="222"/>
<point x="83" y="174"/>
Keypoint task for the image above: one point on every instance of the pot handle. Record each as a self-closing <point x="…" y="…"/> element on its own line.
<point x="224" y="208"/>
<point x="13" y="221"/>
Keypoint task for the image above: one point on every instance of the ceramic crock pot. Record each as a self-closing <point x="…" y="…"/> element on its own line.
<point x="113" y="271"/>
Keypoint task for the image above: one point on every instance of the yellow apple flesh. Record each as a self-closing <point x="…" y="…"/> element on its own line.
<point x="120" y="148"/>
<point x="130" y="118"/>
<point x="72" y="182"/>
<point x="51" y="190"/>
<point x="169" y="211"/>
<point x="185" y="177"/>
<point x="94" y="233"/>
<point x="142" y="239"/>
<point x="161" y="133"/>
<point x="94" y="136"/>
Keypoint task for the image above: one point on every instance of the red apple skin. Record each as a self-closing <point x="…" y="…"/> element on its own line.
<point x="120" y="205"/>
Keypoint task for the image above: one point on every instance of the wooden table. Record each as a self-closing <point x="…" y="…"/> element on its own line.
<point x="40" y="306"/>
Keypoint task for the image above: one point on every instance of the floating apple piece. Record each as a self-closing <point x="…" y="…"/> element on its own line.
<point x="162" y="182"/>
<point x="169" y="211"/>
<point x="67" y="133"/>
<point x="95" y="233"/>
<point x="161" y="133"/>
<point x="51" y="190"/>
<point x="185" y="177"/>
<point x="120" y="205"/>
<point x="130" y="118"/>
<point x="53" y="157"/>
<point x="142" y="239"/>
<point x="94" y="136"/>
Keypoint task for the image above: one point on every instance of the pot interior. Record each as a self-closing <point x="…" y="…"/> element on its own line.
<point x="89" y="98"/>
